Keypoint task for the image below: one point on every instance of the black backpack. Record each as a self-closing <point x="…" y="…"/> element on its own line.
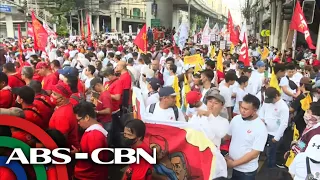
<point x="175" y="110"/>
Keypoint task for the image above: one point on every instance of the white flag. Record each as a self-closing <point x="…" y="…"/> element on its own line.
<point x="49" y="30"/>
<point x="243" y="32"/>
<point x="215" y="29"/>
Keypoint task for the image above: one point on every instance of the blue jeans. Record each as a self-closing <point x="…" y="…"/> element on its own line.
<point x="237" y="175"/>
<point x="271" y="152"/>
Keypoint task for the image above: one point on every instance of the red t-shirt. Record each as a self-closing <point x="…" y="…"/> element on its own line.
<point x="34" y="116"/>
<point x="42" y="102"/>
<point x="7" y="98"/>
<point x="49" y="81"/>
<point x="81" y="87"/>
<point x="37" y="77"/>
<point x="6" y="174"/>
<point x="64" y="120"/>
<point x="75" y="99"/>
<point x="15" y="81"/>
<point x="86" y="169"/>
<point x="104" y="102"/>
<point x="316" y="63"/>
<point x="114" y="87"/>
<point x="139" y="171"/>
<point x="125" y="80"/>
<point x="22" y="136"/>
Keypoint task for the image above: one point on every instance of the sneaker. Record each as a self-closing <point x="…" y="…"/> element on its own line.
<point x="281" y="166"/>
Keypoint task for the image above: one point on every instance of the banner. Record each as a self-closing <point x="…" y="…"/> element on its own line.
<point x="194" y="60"/>
<point x="49" y="30"/>
<point x="183" y="150"/>
<point x="30" y="30"/>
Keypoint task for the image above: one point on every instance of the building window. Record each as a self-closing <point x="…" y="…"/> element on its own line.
<point x="136" y="13"/>
<point x="125" y="12"/>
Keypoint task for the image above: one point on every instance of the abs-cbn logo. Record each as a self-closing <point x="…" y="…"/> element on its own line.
<point x="46" y="156"/>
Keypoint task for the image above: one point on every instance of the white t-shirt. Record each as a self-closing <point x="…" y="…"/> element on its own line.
<point x="240" y="93"/>
<point x="154" y="98"/>
<point x="296" y="78"/>
<point x="226" y="92"/>
<point x="203" y="93"/>
<point x="169" y="81"/>
<point x="192" y="111"/>
<point x="215" y="128"/>
<point x="87" y="86"/>
<point x="276" y="117"/>
<point x="284" y="82"/>
<point x="246" y="136"/>
<point x="254" y="86"/>
<point x="298" y="167"/>
<point x="164" y="114"/>
<point x="233" y="66"/>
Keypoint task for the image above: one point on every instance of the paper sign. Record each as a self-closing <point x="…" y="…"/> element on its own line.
<point x="195" y="60"/>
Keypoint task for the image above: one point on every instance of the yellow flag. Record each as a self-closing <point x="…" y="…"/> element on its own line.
<point x="265" y="53"/>
<point x="305" y="102"/>
<point x="186" y="89"/>
<point x="290" y="158"/>
<point x="295" y="133"/>
<point x="219" y="61"/>
<point x="259" y="50"/>
<point x="231" y="48"/>
<point x="176" y="88"/>
<point x="213" y="52"/>
<point x="274" y="81"/>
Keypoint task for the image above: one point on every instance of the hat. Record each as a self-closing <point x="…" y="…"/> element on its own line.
<point x="305" y="80"/>
<point x="214" y="93"/>
<point x="89" y="48"/>
<point x="186" y="67"/>
<point x="193" y="97"/>
<point x="166" y="51"/>
<point x="247" y="69"/>
<point x="68" y="71"/>
<point x="260" y="64"/>
<point x="313" y="148"/>
<point x="154" y="83"/>
<point x="270" y="94"/>
<point x="26" y="93"/>
<point x="167" y="91"/>
<point x="317" y="84"/>
<point x="94" y="82"/>
<point x="117" y="53"/>
<point x="41" y="65"/>
<point x="314" y="55"/>
<point x="63" y="89"/>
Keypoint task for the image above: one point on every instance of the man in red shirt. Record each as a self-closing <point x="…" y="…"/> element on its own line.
<point x="126" y="82"/>
<point x="315" y="61"/>
<point x="49" y="78"/>
<point x="7" y="98"/>
<point x="94" y="137"/>
<point x="14" y="79"/>
<point x="63" y="119"/>
<point x="134" y="133"/>
<point x="25" y="97"/>
<point x="42" y="102"/>
<point x="103" y="103"/>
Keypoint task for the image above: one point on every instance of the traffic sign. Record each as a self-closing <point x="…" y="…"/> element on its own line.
<point x="155" y="22"/>
<point x="5" y="8"/>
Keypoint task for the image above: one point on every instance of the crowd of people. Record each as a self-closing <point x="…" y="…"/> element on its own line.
<point x="81" y="96"/>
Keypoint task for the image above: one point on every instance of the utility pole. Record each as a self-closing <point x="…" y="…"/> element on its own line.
<point x="189" y="13"/>
<point x="273" y="22"/>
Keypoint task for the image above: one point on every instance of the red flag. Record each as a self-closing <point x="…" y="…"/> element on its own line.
<point x="40" y="34"/>
<point x="30" y="30"/>
<point x="298" y="23"/>
<point x="89" y="31"/>
<point x="244" y="54"/>
<point x="20" y="45"/>
<point x="233" y="35"/>
<point x="141" y="39"/>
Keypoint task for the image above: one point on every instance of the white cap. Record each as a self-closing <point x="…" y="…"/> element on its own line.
<point x="118" y="53"/>
<point x="313" y="149"/>
<point x="186" y="67"/>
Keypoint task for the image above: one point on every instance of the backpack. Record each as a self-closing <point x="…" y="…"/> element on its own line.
<point x="175" y="110"/>
<point x="79" y="98"/>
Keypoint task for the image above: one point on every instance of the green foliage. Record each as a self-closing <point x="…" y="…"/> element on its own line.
<point x="62" y="29"/>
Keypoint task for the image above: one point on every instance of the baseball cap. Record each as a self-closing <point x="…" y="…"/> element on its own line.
<point x="216" y="96"/>
<point x="317" y="84"/>
<point x="63" y="89"/>
<point x="89" y="48"/>
<point x="313" y="150"/>
<point x="305" y="80"/>
<point x="247" y="69"/>
<point x="167" y="91"/>
<point x="270" y="94"/>
<point x="260" y="64"/>
<point x="193" y="97"/>
<point x="26" y="93"/>
<point x="186" y="67"/>
<point x="154" y="83"/>
<point x="94" y="82"/>
<point x="68" y="71"/>
<point x="314" y="55"/>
